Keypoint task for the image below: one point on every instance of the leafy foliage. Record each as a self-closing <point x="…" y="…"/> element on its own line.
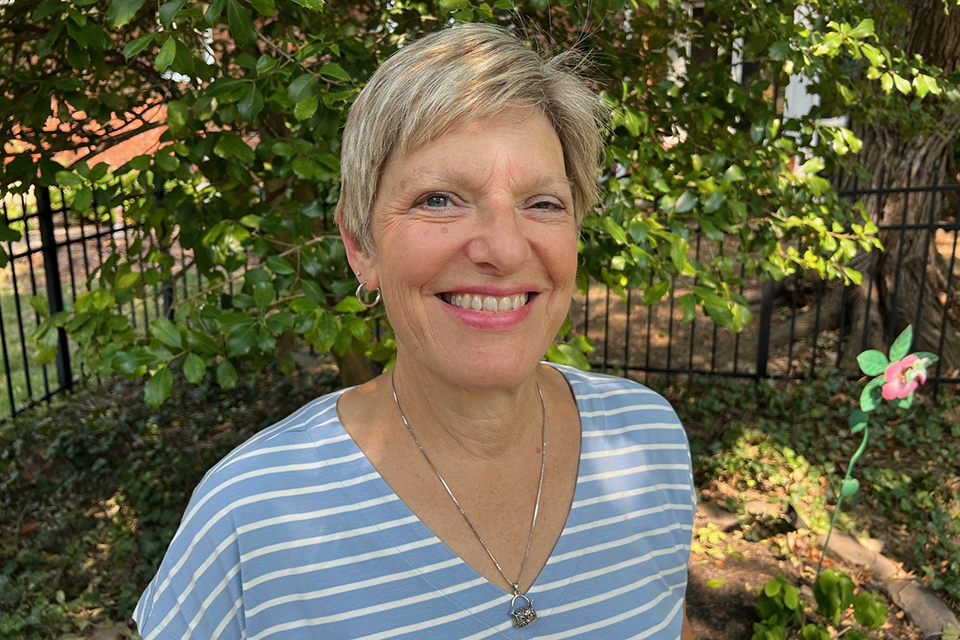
<point x="255" y="94"/>
<point x="92" y="489"/>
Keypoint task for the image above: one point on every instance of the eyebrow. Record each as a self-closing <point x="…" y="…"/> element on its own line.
<point x="458" y="176"/>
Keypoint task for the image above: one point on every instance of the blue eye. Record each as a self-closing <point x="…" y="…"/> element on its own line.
<point x="437" y="201"/>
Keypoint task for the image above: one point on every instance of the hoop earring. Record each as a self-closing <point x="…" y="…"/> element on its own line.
<point x="359" y="295"/>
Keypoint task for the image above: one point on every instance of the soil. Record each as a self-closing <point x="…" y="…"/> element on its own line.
<point x="726" y="576"/>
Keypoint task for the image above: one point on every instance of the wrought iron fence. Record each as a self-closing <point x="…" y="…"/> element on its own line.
<point x="55" y="258"/>
<point x="649" y="341"/>
<point x="59" y="251"/>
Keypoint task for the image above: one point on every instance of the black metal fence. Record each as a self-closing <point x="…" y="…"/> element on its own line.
<point x="648" y="341"/>
<point x="59" y="251"/>
<point x="54" y="259"/>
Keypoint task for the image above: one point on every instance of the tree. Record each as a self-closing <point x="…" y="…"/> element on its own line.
<point x="257" y="90"/>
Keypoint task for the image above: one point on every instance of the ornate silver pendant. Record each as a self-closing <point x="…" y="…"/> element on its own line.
<point x="524" y="615"/>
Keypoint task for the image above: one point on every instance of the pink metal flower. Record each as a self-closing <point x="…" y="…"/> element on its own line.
<point x="902" y="377"/>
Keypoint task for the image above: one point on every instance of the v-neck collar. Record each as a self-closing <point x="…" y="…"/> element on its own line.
<point x="485" y="600"/>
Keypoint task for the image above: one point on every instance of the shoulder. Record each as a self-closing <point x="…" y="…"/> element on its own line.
<point x="601" y="394"/>
<point x="198" y="581"/>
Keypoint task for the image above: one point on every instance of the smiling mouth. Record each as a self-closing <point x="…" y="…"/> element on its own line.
<point x="479" y="302"/>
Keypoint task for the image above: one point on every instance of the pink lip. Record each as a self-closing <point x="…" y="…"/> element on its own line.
<point x="488" y="320"/>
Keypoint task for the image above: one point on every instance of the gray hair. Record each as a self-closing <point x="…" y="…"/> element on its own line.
<point x="452" y="76"/>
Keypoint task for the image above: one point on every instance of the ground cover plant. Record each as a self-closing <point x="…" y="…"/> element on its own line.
<point x="92" y="488"/>
<point x="788" y="444"/>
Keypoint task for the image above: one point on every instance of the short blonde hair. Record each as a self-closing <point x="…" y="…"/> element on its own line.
<point x="447" y="78"/>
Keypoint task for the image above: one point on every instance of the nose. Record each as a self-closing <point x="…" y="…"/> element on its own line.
<point x="499" y="245"/>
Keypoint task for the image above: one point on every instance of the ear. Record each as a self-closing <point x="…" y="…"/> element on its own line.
<point x="360" y="262"/>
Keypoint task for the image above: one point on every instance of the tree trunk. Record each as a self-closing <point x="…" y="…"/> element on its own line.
<point x="906" y="284"/>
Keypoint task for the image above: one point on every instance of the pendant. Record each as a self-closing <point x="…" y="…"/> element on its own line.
<point x="524" y="615"/>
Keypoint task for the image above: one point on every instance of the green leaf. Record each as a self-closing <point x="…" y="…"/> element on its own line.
<point x="870" y="610"/>
<point x="316" y="5"/>
<point x="688" y="303"/>
<point x="264" y="7"/>
<point x="177" y="115"/>
<point x="567" y="355"/>
<point x="306" y="108"/>
<point x="226" y="374"/>
<point x="250" y="104"/>
<point x="715" y="584"/>
<point x="166" y="332"/>
<point x="873" y="362"/>
<point x="280" y="266"/>
<point x="313" y="292"/>
<point x="167" y="52"/>
<point x="168" y="11"/>
<point x="615" y="230"/>
<point x="862" y="30"/>
<point x="850" y="487"/>
<point x="656" y="292"/>
<point x="870" y="396"/>
<point x="7" y="234"/>
<point x="158" y="387"/>
<point x="901" y="346"/>
<point x="858" y="421"/>
<point x="335" y="71"/>
<point x="779" y="50"/>
<point x="67" y="179"/>
<point x="302" y="87"/>
<point x="685" y="202"/>
<point x="83" y="199"/>
<point x="240" y="342"/>
<point x="902" y="84"/>
<point x="122" y="11"/>
<point x="137" y="45"/>
<point x="263" y="294"/>
<point x="194" y="368"/>
<point x="241" y="24"/>
<point x="734" y="173"/>
<point x="349" y="305"/>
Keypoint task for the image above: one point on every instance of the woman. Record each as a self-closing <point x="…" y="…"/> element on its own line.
<point x="471" y="491"/>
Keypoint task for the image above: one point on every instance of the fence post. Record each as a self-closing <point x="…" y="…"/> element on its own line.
<point x="51" y="269"/>
<point x="766" y="318"/>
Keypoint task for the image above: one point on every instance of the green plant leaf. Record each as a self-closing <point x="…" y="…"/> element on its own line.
<point x="335" y="71"/>
<point x="241" y="24"/>
<point x="871" y="397"/>
<point x="166" y="55"/>
<point x="226" y="374"/>
<point x="858" y="421"/>
<point x="873" y="362"/>
<point x="137" y="45"/>
<point x="901" y="346"/>
<point x="870" y="610"/>
<point x="715" y="584"/>
<point x="850" y="487"/>
<point x="194" y="368"/>
<point x="122" y="11"/>
<point x="166" y="332"/>
<point x="158" y="387"/>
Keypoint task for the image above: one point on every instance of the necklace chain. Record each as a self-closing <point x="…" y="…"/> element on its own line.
<point x="536" y="507"/>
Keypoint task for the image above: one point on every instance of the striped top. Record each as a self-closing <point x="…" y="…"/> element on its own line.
<point x="294" y="535"/>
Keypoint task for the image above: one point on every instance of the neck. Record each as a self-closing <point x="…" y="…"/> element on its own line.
<point x="485" y="424"/>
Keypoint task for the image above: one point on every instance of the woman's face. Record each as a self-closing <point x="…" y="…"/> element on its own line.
<point x="476" y="249"/>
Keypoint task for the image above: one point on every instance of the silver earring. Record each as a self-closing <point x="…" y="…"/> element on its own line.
<point x="359" y="294"/>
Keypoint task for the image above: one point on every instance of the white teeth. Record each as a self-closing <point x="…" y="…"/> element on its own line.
<point x="478" y="302"/>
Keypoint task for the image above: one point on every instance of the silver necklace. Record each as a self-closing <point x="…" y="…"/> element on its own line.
<point x="525" y="614"/>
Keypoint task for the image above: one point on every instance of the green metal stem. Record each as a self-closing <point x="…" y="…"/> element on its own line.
<point x="836" y="511"/>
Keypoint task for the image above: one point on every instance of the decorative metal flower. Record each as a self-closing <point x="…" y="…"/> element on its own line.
<point x="895" y="378"/>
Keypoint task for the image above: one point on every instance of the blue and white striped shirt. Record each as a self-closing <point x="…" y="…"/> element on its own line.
<point x="294" y="535"/>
